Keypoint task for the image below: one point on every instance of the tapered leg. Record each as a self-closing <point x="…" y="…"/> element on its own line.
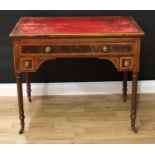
<point x="28" y="85"/>
<point x="125" y="79"/>
<point x="20" y="102"/>
<point x="134" y="100"/>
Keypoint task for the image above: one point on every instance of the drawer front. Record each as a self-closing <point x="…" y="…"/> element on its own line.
<point x="126" y="63"/>
<point x="103" y="48"/>
<point x="27" y="64"/>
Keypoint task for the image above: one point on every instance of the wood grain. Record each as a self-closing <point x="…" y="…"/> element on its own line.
<point x="41" y="36"/>
<point x="91" y="119"/>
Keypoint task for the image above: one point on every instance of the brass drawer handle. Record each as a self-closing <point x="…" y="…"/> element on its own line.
<point x="48" y="50"/>
<point x="27" y="64"/>
<point x="105" y="49"/>
<point x="126" y="63"/>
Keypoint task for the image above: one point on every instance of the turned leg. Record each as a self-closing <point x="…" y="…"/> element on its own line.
<point x="28" y="85"/>
<point x="20" y="102"/>
<point x="125" y="79"/>
<point x="134" y="100"/>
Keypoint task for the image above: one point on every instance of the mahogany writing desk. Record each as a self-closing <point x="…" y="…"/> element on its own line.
<point x="113" y="38"/>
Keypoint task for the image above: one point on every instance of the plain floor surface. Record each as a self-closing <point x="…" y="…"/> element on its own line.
<point x="91" y="119"/>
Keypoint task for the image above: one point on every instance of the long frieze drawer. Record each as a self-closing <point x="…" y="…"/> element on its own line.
<point x="104" y="48"/>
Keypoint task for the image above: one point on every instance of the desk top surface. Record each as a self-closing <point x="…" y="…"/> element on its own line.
<point x="76" y="26"/>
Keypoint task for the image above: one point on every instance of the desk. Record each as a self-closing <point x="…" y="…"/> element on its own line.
<point x="113" y="38"/>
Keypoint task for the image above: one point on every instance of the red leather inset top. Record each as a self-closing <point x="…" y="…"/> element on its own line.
<point x="76" y="25"/>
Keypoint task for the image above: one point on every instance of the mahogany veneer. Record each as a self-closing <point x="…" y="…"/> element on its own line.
<point x="114" y="38"/>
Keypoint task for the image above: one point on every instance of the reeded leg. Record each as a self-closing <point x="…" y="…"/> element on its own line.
<point x="20" y="102"/>
<point x="125" y="79"/>
<point x="28" y="85"/>
<point x="134" y="101"/>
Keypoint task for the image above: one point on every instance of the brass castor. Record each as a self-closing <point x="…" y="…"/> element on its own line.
<point x="29" y="99"/>
<point x="124" y="98"/>
<point x="21" y="131"/>
<point x="134" y="129"/>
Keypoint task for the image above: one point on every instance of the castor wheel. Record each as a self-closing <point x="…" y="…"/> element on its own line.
<point x="124" y="99"/>
<point x="21" y="131"/>
<point x="29" y="99"/>
<point x="134" y="129"/>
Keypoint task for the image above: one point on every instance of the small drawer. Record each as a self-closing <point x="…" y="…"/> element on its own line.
<point x="26" y="64"/>
<point x="94" y="48"/>
<point x="126" y="63"/>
